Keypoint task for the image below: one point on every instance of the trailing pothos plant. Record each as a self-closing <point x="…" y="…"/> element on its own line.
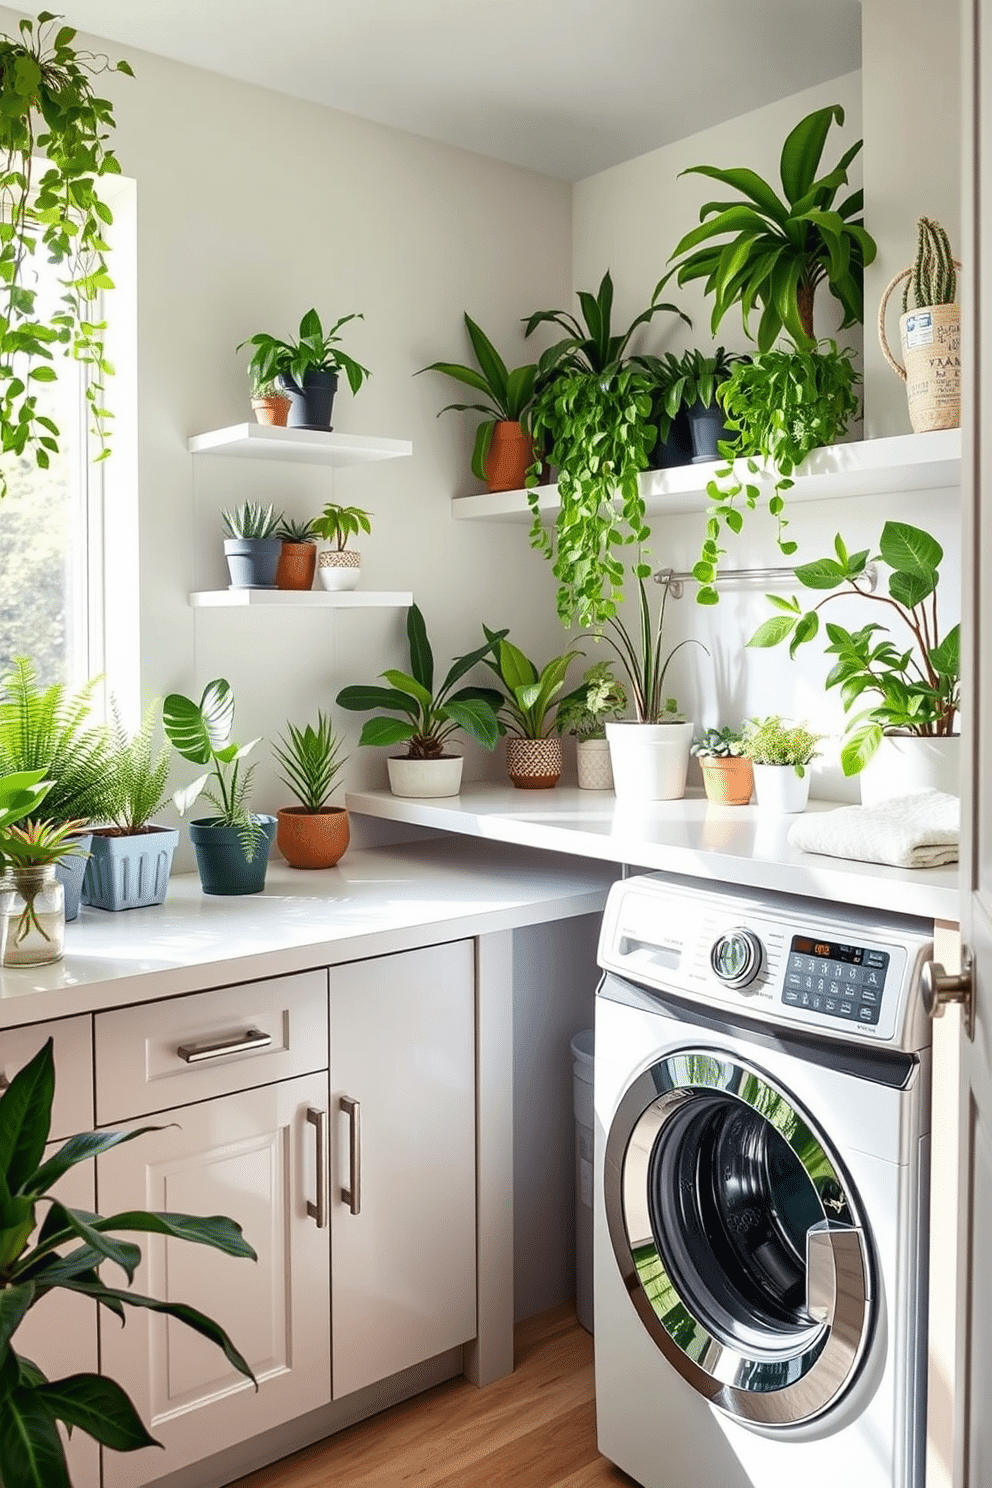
<point x="912" y="689"/>
<point x="51" y="209"/>
<point x="67" y="1253"/>
<point x="592" y="410"/>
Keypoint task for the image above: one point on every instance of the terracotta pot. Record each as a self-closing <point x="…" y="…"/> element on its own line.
<point x="339" y="569"/>
<point x="511" y="453"/>
<point x="297" y="564"/>
<point x="312" y="839"/>
<point x="273" y="410"/>
<point x="728" y="781"/>
<point x="534" y="764"/>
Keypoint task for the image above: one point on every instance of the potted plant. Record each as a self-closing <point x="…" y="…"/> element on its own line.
<point x="598" y="699"/>
<point x="298" y="554"/>
<point x="312" y="834"/>
<point x="339" y="566"/>
<point x="32" y="903"/>
<point x="690" y="383"/>
<point x="914" y="691"/>
<point x="728" y="778"/>
<point x="130" y="860"/>
<point x="232" y="847"/>
<point x="307" y="369"/>
<point x="592" y="410"/>
<point x="503" y="450"/>
<point x="57" y="1248"/>
<point x="429" y="715"/>
<point x="53" y="152"/>
<point x="779" y="753"/>
<point x="527" y="711"/>
<point x="51" y="729"/>
<point x="673" y="437"/>
<point x="252" y="547"/>
<point x="269" y="404"/>
<point x="930" y="332"/>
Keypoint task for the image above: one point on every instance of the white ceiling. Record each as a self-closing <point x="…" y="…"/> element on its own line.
<point x="566" y="87"/>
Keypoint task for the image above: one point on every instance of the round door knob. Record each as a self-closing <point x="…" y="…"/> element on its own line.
<point x="939" y="987"/>
<point x="736" y="957"/>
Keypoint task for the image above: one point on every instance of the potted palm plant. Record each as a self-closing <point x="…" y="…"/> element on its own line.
<point x="779" y="753"/>
<point x="503" y="450"/>
<point x="252" y="546"/>
<point x="298" y="554"/>
<point x="728" y="778"/>
<point x="311" y="834"/>
<point x="528" y="710"/>
<point x="599" y="699"/>
<point x="131" y="858"/>
<point x="232" y="847"/>
<point x="339" y="566"/>
<point x="306" y="369"/>
<point x="428" y="715"/>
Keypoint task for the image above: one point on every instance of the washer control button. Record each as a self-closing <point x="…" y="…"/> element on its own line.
<point x="736" y="957"/>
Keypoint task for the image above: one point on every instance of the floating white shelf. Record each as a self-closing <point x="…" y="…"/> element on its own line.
<point x="904" y="462"/>
<point x="297" y="446"/>
<point x="301" y="599"/>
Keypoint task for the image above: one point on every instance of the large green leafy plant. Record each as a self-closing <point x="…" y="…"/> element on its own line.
<point x="773" y="251"/>
<point x="315" y="350"/>
<point x="532" y="693"/>
<point x="201" y="732"/>
<point x="913" y="689"/>
<point x="67" y="1253"/>
<point x="51" y="208"/>
<point x="508" y="394"/>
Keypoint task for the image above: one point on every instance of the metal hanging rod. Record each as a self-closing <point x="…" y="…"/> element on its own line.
<point x="676" y="581"/>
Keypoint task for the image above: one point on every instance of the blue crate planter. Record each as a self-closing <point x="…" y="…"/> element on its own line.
<point x="129" y="872"/>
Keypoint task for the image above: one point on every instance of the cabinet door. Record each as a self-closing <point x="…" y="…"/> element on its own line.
<point x="403" y="1267"/>
<point x="255" y="1157"/>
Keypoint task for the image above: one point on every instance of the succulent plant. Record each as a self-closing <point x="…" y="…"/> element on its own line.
<point x="933" y="280"/>
<point x="293" y="531"/>
<point x="723" y="743"/>
<point x="251" y="521"/>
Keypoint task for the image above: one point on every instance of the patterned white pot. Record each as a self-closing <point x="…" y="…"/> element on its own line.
<point x="534" y="764"/>
<point x="593" y="759"/>
<point x="425" y="778"/>
<point x="907" y="763"/>
<point x="339" y="570"/>
<point x="649" y="760"/>
<point x="779" y="789"/>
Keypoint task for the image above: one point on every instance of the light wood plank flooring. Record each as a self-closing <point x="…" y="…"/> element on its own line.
<point x="536" y="1429"/>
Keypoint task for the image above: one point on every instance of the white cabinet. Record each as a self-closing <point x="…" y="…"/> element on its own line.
<point x="402" y="1041"/>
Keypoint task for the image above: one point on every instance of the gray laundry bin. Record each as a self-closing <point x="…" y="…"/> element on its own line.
<point x="583" y="1045"/>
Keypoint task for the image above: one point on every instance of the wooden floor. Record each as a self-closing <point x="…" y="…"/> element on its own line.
<point x="536" y="1429"/>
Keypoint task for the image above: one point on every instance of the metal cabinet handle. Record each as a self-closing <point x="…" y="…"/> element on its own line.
<point x="318" y="1211"/>
<point x="352" y="1195"/>
<point x="240" y="1043"/>
<point x="939" y="987"/>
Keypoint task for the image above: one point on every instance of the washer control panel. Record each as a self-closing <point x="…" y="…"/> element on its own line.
<point x="842" y="981"/>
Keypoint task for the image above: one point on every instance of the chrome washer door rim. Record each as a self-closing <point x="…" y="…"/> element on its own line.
<point x="818" y="1366"/>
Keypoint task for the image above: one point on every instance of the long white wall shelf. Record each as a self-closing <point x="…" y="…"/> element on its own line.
<point x="301" y="599"/>
<point x="903" y="462"/>
<point x="297" y="446"/>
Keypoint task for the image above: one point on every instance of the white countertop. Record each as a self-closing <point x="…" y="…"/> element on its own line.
<point x="726" y="844"/>
<point x="372" y="903"/>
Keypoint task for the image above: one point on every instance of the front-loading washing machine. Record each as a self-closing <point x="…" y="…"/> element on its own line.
<point x="762" y="1092"/>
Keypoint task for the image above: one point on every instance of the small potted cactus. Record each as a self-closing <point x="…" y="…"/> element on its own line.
<point x="298" y="558"/>
<point x="930" y="332"/>
<point x="727" y="774"/>
<point x="599" y="699"/>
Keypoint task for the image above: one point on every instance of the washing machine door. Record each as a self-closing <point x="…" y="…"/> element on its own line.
<point x="738" y="1238"/>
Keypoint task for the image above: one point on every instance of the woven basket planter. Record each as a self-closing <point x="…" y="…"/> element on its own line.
<point x="931" y="349"/>
<point x="534" y="764"/>
<point x="339" y="568"/>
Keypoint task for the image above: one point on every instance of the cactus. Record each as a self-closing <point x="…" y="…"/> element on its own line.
<point x="933" y="280"/>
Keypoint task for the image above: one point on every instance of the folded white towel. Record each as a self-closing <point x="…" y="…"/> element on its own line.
<point x="918" y="830"/>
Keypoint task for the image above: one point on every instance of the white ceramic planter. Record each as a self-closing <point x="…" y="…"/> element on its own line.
<point x="425" y="778"/>
<point x="339" y="570"/>
<point x="593" y="761"/>
<point x="649" y="760"/>
<point x="779" y="789"/>
<point x="906" y="763"/>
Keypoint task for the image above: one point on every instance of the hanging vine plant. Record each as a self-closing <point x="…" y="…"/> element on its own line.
<point x="53" y="134"/>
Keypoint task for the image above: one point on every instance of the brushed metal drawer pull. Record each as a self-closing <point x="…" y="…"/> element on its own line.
<point x="241" y="1043"/>
<point x="318" y="1211"/>
<point x="352" y="1196"/>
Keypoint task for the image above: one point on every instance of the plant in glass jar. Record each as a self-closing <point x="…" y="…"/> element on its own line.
<point x="32" y="900"/>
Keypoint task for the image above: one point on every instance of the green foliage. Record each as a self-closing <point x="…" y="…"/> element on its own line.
<point x="20" y="794"/>
<point x="933" y="280"/>
<point x="292" y="531"/>
<point x="311" y="762"/>
<point x="137" y="775"/>
<point x="316" y="350"/>
<point x="67" y="1254"/>
<point x="688" y="380"/>
<point x="251" y="521"/>
<point x="429" y="716"/>
<point x="527" y="708"/>
<point x="598" y="700"/>
<point x="49" y="729"/>
<point x="591" y="345"/>
<point x="508" y="394"/>
<point x="917" y="689"/>
<point x="770" y="741"/>
<point x="718" y="743"/>
<point x="772" y="251"/>
<point x="201" y="732"/>
<point x="780" y="405"/>
<point x="641" y="659"/>
<point x="50" y="110"/>
<point x="337" y="523"/>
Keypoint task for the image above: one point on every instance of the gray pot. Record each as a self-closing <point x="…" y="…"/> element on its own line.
<point x="70" y="870"/>
<point x="252" y="561"/>
<point x="129" y="872"/>
<point x="310" y="405"/>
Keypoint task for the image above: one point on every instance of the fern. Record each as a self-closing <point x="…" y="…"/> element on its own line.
<point x="137" y="775"/>
<point x="51" y="729"/>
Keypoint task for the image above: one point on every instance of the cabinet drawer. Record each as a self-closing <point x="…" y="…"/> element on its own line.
<point x="72" y="1109"/>
<point x="163" y="1054"/>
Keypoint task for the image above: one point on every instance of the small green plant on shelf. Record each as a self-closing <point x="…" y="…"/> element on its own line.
<point x="639" y="651"/>
<point x="914" y="689"/>
<point x="311" y="762"/>
<point x="531" y="694"/>
<point x="719" y="743"/>
<point x="598" y="700"/>
<point x="315" y="350"/>
<point x="429" y="714"/>
<point x="337" y="523"/>
<point x="933" y="280"/>
<point x="201" y="732"/>
<point x="251" y="521"/>
<point x="138" y="775"/>
<point x="772" y="741"/>
<point x="293" y="531"/>
<point x="509" y="394"/>
<point x="67" y="1253"/>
